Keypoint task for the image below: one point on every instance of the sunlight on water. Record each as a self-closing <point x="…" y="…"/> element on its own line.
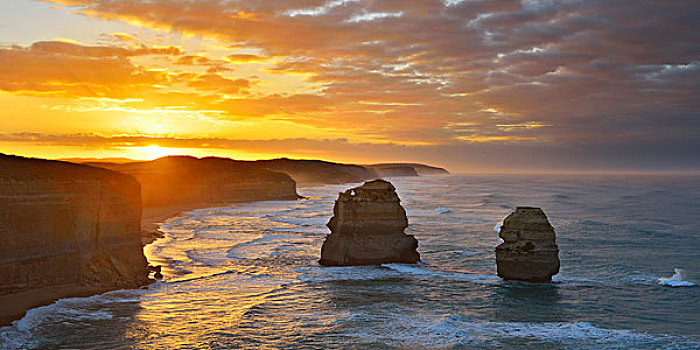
<point x="246" y="276"/>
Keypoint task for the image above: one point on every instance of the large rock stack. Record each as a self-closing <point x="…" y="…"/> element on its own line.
<point x="529" y="251"/>
<point x="368" y="228"/>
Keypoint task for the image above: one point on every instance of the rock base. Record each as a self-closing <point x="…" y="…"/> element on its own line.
<point x="369" y="250"/>
<point x="530" y="267"/>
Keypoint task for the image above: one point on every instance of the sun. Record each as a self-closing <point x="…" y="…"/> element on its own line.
<point x="151" y="152"/>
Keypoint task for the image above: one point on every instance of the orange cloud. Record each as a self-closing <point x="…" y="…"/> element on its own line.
<point x="192" y="59"/>
<point x="246" y="58"/>
<point x="72" y="49"/>
<point x="69" y="70"/>
<point x="411" y="70"/>
<point x="125" y="37"/>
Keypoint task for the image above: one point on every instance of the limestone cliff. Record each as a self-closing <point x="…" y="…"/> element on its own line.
<point x="63" y="223"/>
<point x="367" y="228"/>
<point x="313" y="172"/>
<point x="529" y="251"/>
<point x="183" y="179"/>
<point x="402" y="169"/>
<point x="398" y="170"/>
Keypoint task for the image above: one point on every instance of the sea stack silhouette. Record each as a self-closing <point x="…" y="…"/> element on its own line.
<point x="367" y="228"/>
<point x="529" y="251"/>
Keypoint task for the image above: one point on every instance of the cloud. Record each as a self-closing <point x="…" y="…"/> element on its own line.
<point x="418" y="71"/>
<point x="71" y="70"/>
<point x="125" y="37"/>
<point x="71" y="49"/>
<point x="468" y="157"/>
<point x="192" y="59"/>
<point x="240" y="58"/>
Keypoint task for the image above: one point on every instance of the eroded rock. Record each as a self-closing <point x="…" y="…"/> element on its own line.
<point x="68" y="224"/>
<point x="367" y="228"/>
<point x="529" y="251"/>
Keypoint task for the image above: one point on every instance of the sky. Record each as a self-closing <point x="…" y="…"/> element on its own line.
<point x="472" y="85"/>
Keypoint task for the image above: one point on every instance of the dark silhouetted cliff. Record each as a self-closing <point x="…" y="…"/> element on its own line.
<point x="404" y="169"/>
<point x="397" y="170"/>
<point x="319" y="171"/>
<point x="183" y="179"/>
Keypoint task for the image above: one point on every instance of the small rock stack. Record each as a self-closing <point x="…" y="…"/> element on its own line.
<point x="529" y="251"/>
<point x="368" y="228"/>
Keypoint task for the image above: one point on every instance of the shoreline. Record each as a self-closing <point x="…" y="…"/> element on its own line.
<point x="152" y="217"/>
<point x="14" y="306"/>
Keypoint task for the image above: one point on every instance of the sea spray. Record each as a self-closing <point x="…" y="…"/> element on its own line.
<point x="677" y="280"/>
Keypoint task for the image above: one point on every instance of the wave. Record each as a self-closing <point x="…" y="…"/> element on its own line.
<point x="443" y="211"/>
<point x="677" y="280"/>
<point x="416" y="270"/>
<point x="319" y="274"/>
<point x="200" y="277"/>
<point x="67" y="311"/>
<point x="444" y="331"/>
<point x="469" y="252"/>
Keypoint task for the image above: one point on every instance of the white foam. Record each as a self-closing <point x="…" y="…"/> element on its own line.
<point x="444" y="331"/>
<point x="469" y="252"/>
<point x="411" y="269"/>
<point x="456" y="276"/>
<point x="442" y="210"/>
<point x="345" y="273"/>
<point x="677" y="280"/>
<point x="497" y="228"/>
<point x="69" y="312"/>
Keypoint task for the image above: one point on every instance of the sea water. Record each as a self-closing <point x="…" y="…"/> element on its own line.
<point x="246" y="275"/>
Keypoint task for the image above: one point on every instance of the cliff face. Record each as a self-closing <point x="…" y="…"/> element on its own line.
<point x="62" y="223"/>
<point x="529" y="251"/>
<point x="407" y="169"/>
<point x="318" y="171"/>
<point x="183" y="179"/>
<point x="398" y="170"/>
<point x="367" y="228"/>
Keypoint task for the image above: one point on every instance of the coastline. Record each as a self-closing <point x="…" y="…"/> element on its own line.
<point x="152" y="217"/>
<point x="15" y="305"/>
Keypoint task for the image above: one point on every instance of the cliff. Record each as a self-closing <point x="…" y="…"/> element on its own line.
<point x="302" y="171"/>
<point x="312" y="172"/>
<point x="367" y="228"/>
<point x="67" y="224"/>
<point x="406" y="169"/>
<point x="529" y="251"/>
<point x="396" y="170"/>
<point x="183" y="179"/>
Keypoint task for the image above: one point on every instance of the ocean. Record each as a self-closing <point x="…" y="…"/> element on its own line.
<point x="246" y="275"/>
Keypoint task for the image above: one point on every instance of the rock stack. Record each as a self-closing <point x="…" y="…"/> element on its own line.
<point x="529" y="251"/>
<point x="368" y="228"/>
